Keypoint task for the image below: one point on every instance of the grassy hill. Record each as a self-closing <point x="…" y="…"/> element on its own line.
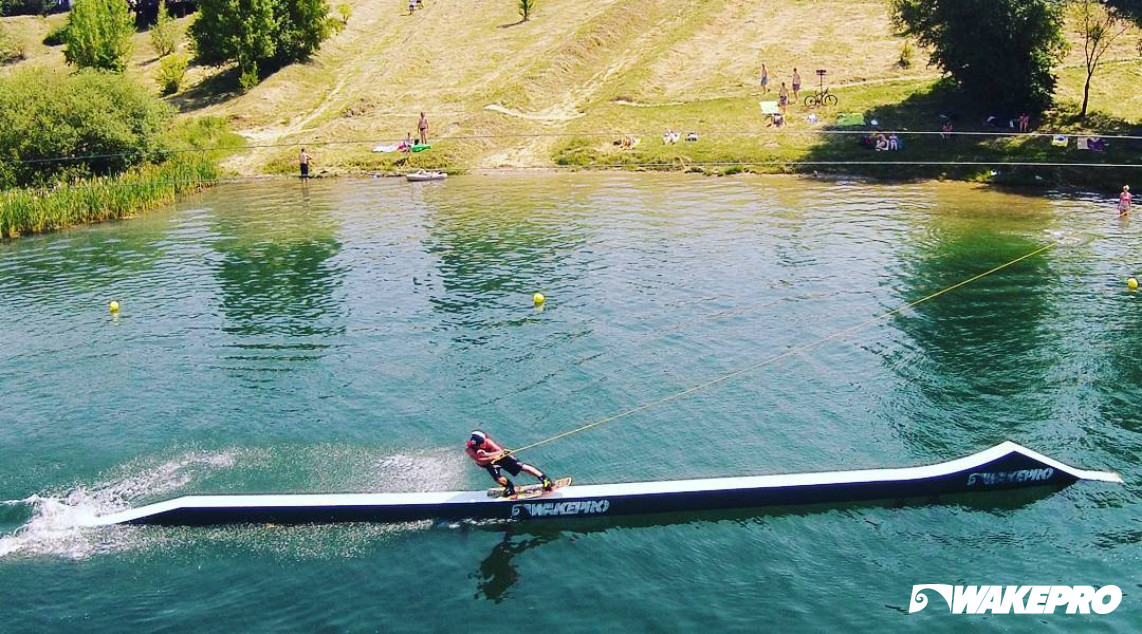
<point x="559" y="89"/>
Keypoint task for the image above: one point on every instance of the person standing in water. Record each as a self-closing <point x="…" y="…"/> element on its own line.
<point x="423" y="127"/>
<point x="1125" y="201"/>
<point x="493" y="458"/>
<point x="303" y="163"/>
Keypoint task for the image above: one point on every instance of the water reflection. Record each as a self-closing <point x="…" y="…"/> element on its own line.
<point x="278" y="277"/>
<point x="491" y="250"/>
<point x="497" y="573"/>
<point x="978" y="348"/>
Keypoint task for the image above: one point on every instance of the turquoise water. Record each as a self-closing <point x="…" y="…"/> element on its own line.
<point x="347" y="335"/>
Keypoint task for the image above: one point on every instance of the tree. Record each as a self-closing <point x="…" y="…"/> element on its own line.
<point x="1099" y="26"/>
<point x="525" y="9"/>
<point x="99" y="35"/>
<point x="164" y="36"/>
<point x="258" y="35"/>
<point x="239" y="31"/>
<point x="999" y="51"/>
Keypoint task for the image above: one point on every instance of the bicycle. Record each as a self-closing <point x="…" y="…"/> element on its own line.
<point x="820" y="98"/>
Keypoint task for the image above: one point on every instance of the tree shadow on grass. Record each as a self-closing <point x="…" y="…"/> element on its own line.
<point x="986" y="158"/>
<point x="217" y="88"/>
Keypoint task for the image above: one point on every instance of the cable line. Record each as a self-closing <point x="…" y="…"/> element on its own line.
<point x="788" y="353"/>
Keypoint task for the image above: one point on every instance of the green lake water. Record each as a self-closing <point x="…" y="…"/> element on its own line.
<point x="346" y="336"/>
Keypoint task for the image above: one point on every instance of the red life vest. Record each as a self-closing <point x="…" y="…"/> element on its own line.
<point x="482" y="454"/>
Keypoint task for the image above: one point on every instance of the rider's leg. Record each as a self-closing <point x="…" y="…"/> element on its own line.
<point x="547" y="484"/>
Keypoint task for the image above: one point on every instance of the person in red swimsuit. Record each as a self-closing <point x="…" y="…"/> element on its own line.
<point x="495" y="459"/>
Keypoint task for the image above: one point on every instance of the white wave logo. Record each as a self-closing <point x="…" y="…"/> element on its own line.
<point x="1019" y="599"/>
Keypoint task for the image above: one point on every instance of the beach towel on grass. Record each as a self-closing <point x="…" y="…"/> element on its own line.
<point x="769" y="107"/>
<point x="850" y="118"/>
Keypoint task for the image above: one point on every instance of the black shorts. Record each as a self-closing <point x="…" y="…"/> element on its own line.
<point x="509" y="464"/>
<point x="304" y="169"/>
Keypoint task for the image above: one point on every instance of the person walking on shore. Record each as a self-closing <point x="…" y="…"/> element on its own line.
<point x="423" y="127"/>
<point x="764" y="79"/>
<point x="1125" y="201"/>
<point x="796" y="84"/>
<point x="303" y="163"/>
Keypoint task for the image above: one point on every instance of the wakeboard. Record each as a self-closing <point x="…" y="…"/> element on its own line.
<point x="528" y="491"/>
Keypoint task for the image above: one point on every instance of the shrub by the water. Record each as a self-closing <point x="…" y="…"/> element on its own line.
<point x="164" y="33"/>
<point x="184" y="170"/>
<point x="172" y="70"/>
<point x="102" y="123"/>
<point x="99" y="35"/>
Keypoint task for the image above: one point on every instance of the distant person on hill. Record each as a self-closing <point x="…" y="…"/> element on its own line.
<point x="423" y="127"/>
<point x="1125" y="200"/>
<point x="411" y="6"/>
<point x="1024" y="122"/>
<point x="303" y="163"/>
<point x="893" y="142"/>
<point x="946" y="130"/>
<point x="406" y="145"/>
<point x="796" y="84"/>
<point x="783" y="97"/>
<point x="764" y="79"/>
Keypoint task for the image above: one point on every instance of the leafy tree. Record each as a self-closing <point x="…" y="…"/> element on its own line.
<point x="525" y="9"/>
<point x="164" y="33"/>
<point x="258" y="35"/>
<point x="241" y="31"/>
<point x="999" y="51"/>
<point x="106" y="121"/>
<point x="302" y="27"/>
<point x="99" y="35"/>
<point x="1099" y="26"/>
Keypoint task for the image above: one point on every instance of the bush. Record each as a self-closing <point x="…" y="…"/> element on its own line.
<point x="10" y="49"/>
<point x="99" y="35"/>
<point x="172" y="70"/>
<point x="164" y="32"/>
<point x="248" y="79"/>
<point x="57" y="36"/>
<point x="265" y="34"/>
<point x="906" y="53"/>
<point x="106" y="121"/>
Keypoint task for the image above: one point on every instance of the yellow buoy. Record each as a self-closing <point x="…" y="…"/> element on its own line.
<point x="113" y="306"/>
<point x="1132" y="283"/>
<point x="538" y="298"/>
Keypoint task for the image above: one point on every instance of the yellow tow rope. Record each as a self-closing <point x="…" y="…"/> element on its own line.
<point x="787" y="353"/>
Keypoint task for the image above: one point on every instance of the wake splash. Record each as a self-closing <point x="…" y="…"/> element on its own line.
<point x="56" y="526"/>
<point x="59" y="523"/>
